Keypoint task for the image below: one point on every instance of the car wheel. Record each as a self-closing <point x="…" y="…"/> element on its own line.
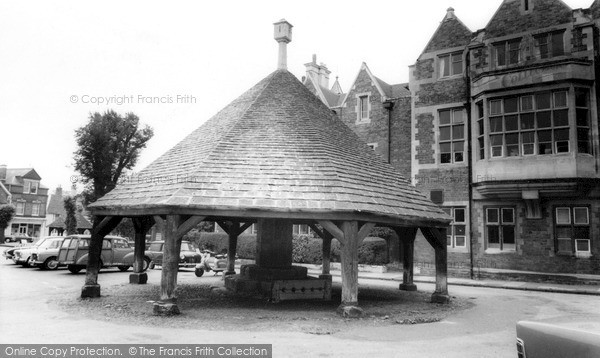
<point x="123" y="268"/>
<point x="151" y="265"/>
<point x="199" y="272"/>
<point x="26" y="263"/>
<point x="50" y="264"/>
<point x="147" y="263"/>
<point x="74" y="269"/>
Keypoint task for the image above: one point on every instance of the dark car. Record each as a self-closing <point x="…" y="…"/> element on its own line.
<point x="188" y="256"/>
<point x="18" y="238"/>
<point x="116" y="252"/>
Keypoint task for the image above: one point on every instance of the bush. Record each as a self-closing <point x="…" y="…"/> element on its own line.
<point x="305" y="249"/>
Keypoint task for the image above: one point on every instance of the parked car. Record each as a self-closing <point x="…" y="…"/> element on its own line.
<point x="23" y="239"/>
<point x="22" y="254"/>
<point x="188" y="256"/>
<point x="575" y="338"/>
<point x="45" y="255"/>
<point x="116" y="252"/>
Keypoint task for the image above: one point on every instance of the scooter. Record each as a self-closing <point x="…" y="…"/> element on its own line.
<point x="211" y="262"/>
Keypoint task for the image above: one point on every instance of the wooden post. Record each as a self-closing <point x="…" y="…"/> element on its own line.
<point x="407" y="236"/>
<point x="437" y="239"/>
<point x="101" y="227"/>
<point x="141" y="225"/>
<point x="349" y="237"/>
<point x="233" y="230"/>
<point x="174" y="229"/>
<point x="326" y="251"/>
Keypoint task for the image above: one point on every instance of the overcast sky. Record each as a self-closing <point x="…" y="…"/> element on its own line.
<point x="58" y="59"/>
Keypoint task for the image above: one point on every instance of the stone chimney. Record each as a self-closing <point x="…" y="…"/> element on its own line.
<point x="320" y="73"/>
<point x="58" y="191"/>
<point x="2" y="172"/>
<point x="283" y="35"/>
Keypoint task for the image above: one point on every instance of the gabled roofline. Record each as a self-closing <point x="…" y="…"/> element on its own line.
<point x="317" y="87"/>
<point x="364" y="67"/>
<point x="503" y="1"/>
<point x="440" y="25"/>
<point x="8" y="194"/>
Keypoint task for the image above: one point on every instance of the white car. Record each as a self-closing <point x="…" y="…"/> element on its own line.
<point x="45" y="255"/>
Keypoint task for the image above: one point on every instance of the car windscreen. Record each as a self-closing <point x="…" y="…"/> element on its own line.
<point x="47" y="243"/>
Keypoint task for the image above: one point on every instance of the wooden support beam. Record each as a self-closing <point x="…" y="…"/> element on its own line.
<point x="349" y="255"/>
<point x="333" y="229"/>
<point x="188" y="225"/>
<point x="407" y="237"/>
<point x="326" y="250"/>
<point x="364" y="231"/>
<point x="141" y="225"/>
<point x="101" y="227"/>
<point x="233" y="230"/>
<point x="170" y="266"/>
<point x="437" y="239"/>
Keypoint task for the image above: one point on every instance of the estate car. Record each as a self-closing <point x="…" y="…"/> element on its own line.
<point x="116" y="252"/>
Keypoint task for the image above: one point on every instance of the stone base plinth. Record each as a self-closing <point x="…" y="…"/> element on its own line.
<point x="90" y="291"/>
<point x="165" y="308"/>
<point x="408" y="287"/>
<point x="440" y="298"/>
<point x="350" y="310"/>
<point x="279" y="284"/>
<point x="138" y="278"/>
<point x="255" y="272"/>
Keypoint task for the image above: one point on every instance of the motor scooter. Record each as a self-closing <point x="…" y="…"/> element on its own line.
<point x="211" y="262"/>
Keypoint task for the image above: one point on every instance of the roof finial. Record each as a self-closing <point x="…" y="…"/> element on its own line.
<point x="283" y="35"/>
<point x="450" y="13"/>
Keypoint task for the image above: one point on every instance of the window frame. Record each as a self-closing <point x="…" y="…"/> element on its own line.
<point x="546" y="114"/>
<point x="574" y="229"/>
<point x="447" y="61"/>
<point x="500" y="224"/>
<point x="452" y="141"/>
<point x="505" y="50"/>
<point x="451" y="233"/>
<point x="20" y="204"/>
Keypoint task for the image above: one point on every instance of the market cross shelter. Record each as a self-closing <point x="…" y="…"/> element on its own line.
<point x="275" y="156"/>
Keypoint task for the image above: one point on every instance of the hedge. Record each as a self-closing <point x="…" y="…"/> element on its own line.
<point x="305" y="249"/>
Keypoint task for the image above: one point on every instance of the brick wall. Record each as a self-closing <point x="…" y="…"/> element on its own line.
<point x="454" y="181"/>
<point x="442" y="92"/>
<point x="400" y="131"/>
<point x="535" y="241"/>
<point x="423" y="69"/>
<point x="425" y="135"/>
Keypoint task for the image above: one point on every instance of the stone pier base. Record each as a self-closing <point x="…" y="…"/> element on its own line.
<point x="350" y="310"/>
<point x="165" y="308"/>
<point x="408" y="287"/>
<point x="138" y="278"/>
<point x="440" y="298"/>
<point x="90" y="291"/>
<point x="278" y="284"/>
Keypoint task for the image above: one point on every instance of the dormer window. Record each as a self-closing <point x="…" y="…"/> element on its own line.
<point x="507" y="52"/>
<point x="451" y="64"/>
<point x="31" y="187"/>
<point x="549" y="45"/>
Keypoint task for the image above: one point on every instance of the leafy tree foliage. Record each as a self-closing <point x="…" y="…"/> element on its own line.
<point x="6" y="214"/>
<point x="107" y="146"/>
<point x="70" y="219"/>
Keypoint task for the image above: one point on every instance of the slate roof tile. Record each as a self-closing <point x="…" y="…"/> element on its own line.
<point x="278" y="148"/>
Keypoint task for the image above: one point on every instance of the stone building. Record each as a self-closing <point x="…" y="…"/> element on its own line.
<point x="500" y="128"/>
<point x="21" y="187"/>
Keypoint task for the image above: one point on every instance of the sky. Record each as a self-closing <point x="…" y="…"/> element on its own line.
<point x="175" y="64"/>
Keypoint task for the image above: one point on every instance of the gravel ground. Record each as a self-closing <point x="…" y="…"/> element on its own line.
<point x="208" y="304"/>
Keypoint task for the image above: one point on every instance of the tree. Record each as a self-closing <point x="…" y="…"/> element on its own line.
<point x="108" y="145"/>
<point x="6" y="214"/>
<point x="70" y="219"/>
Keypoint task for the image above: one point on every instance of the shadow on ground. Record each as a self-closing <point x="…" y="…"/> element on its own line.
<point x="206" y="306"/>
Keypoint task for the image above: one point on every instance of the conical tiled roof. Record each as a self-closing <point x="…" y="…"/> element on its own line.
<point x="276" y="151"/>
